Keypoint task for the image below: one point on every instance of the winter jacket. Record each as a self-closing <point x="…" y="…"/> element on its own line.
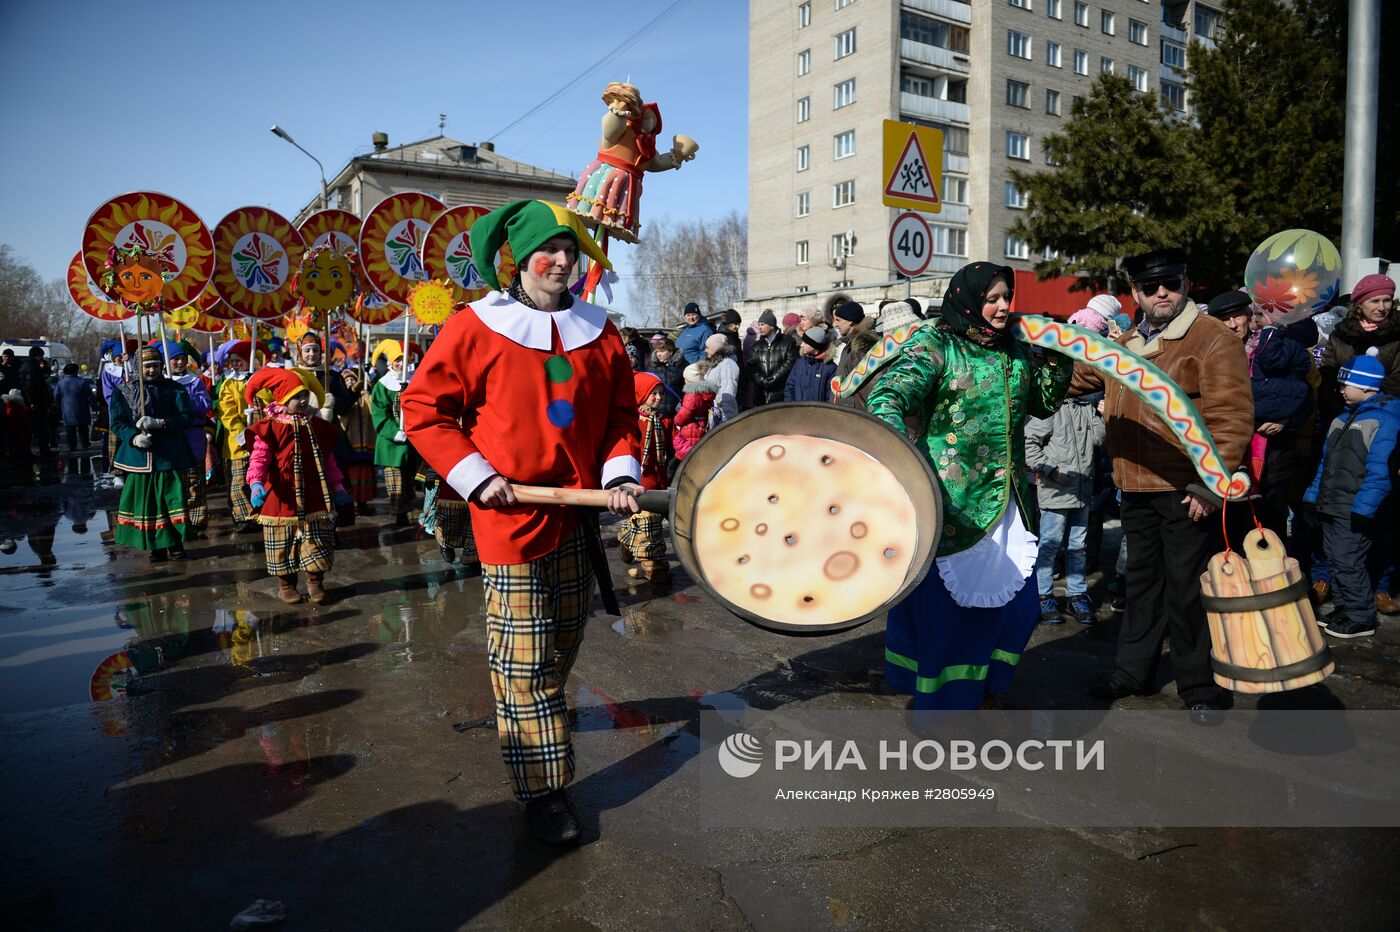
<point x="1208" y="361"/>
<point x="74" y="396"/>
<point x="1347" y="342"/>
<point x="725" y="375"/>
<point x="769" y="363"/>
<point x="1060" y="451"/>
<point x="810" y="380"/>
<point x="672" y="376"/>
<point x="166" y="400"/>
<point x="690" y="343"/>
<point x="1278" y="375"/>
<point x="693" y="418"/>
<point x="1354" y="475"/>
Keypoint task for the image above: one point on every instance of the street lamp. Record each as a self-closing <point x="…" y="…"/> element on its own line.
<point x="325" y="198"/>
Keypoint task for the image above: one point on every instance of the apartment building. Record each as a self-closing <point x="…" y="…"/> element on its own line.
<point x="996" y="76"/>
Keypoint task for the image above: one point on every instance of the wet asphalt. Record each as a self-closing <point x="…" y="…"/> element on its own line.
<point x="339" y="759"/>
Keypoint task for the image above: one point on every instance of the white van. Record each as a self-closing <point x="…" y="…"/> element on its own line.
<point x="56" y="353"/>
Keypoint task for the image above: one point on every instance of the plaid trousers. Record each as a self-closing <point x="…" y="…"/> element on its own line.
<point x="644" y="535"/>
<point x="454" y="528"/>
<point x="288" y="548"/>
<point x="401" y="494"/>
<point x="196" y="497"/>
<point x="238" y="504"/>
<point x="535" y="614"/>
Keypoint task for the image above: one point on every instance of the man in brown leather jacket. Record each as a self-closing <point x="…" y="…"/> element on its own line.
<point x="1170" y="519"/>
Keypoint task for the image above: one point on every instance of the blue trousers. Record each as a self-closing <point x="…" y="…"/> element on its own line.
<point x="1053" y="522"/>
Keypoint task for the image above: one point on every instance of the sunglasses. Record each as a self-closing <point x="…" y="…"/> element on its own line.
<point x="1150" y="286"/>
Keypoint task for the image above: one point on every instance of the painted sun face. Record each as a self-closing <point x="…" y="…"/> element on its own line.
<point x="137" y="283"/>
<point x="327" y="285"/>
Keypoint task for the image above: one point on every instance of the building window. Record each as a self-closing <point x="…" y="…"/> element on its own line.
<point x="842" y="4"/>
<point x="1015" y="197"/>
<point x="1075" y="103"/>
<point x="841" y="245"/>
<point x="1050" y="158"/>
<point x="916" y="84"/>
<point x="1018" y="146"/>
<point x="1023" y="4"/>
<point x="1047" y="254"/>
<point x="1174" y="95"/>
<point x="1105" y="66"/>
<point x="930" y="31"/>
<point x="804" y="62"/>
<point x="803" y="254"/>
<point x="1207" y="23"/>
<point x="1016" y="248"/>
<point x="1052" y="9"/>
<point x="1174" y="55"/>
<point x="846" y="43"/>
<point x="1106" y="22"/>
<point x="843" y="194"/>
<point x="804" y="158"/>
<point x="1052" y="102"/>
<point x="1052" y="54"/>
<point x="1081" y="61"/>
<point x="1137" y="32"/>
<point x="1081" y="14"/>
<point x="1139" y="78"/>
<point x="804" y="15"/>
<point x="845" y="94"/>
<point x="804" y="203"/>
<point x="949" y="241"/>
<point x="804" y="110"/>
<point x="1018" y="45"/>
<point x="1018" y="94"/>
<point x="954" y="140"/>
<point x="954" y="189"/>
<point x="845" y="144"/>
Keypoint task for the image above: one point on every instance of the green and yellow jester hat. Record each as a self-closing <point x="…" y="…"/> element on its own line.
<point x="526" y="225"/>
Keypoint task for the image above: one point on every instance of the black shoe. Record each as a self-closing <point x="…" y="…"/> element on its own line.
<point x="159" y="555"/>
<point x="177" y="552"/>
<point x="1340" y="626"/>
<point x="1050" y="611"/>
<point x="552" y="819"/>
<point x="1112" y="688"/>
<point x="447" y="552"/>
<point x="365" y="508"/>
<point x="1209" y="714"/>
<point x="401" y="519"/>
<point x="1081" y="609"/>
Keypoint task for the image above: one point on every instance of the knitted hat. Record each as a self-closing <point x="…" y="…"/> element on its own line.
<point x="791" y="319"/>
<point x="767" y="317"/>
<point x="730" y="316"/>
<point x="815" y="337"/>
<point x="526" y="225"/>
<point x="1105" y="304"/>
<point x="691" y="308"/>
<point x="692" y="373"/>
<point x="1090" y="319"/>
<point x="1123" y="321"/>
<point x="896" y="314"/>
<point x="716" y="341"/>
<point x="1366" y="372"/>
<point x="1370" y="286"/>
<point x="658" y="337"/>
<point x="644" y="383"/>
<point x="851" y="311"/>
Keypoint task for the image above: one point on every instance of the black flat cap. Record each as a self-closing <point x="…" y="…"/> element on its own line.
<point x="1231" y="302"/>
<point x="1155" y="264"/>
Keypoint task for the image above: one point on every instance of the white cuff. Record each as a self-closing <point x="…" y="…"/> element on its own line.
<point x="469" y="474"/>
<point x="622" y="467"/>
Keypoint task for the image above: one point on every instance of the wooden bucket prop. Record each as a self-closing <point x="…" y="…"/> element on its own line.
<point x="1264" y="636"/>
<point x="802" y="518"/>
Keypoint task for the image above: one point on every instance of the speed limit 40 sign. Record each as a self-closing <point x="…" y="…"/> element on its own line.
<point x="911" y="244"/>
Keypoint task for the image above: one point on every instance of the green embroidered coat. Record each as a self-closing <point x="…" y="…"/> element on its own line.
<point x="975" y="402"/>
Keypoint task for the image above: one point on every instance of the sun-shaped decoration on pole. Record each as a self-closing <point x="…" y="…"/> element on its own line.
<point x="447" y="254"/>
<point x="391" y="242"/>
<point x="431" y="302"/>
<point x="257" y="252"/>
<point x="88" y="296"/>
<point x="215" y="308"/>
<point x="148" y="251"/>
<point x="339" y="229"/>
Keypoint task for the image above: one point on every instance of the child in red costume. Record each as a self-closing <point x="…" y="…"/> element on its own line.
<point x="642" y="537"/>
<point x="294" y="480"/>
<point x="528" y="385"/>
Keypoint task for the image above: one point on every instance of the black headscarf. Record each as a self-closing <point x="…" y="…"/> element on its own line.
<point x="962" y="302"/>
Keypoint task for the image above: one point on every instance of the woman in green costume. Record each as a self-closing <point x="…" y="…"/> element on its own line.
<point x="391" y="447"/>
<point x="955" y="641"/>
<point x="153" y="453"/>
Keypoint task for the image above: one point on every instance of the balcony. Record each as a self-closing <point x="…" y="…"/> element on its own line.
<point x="1173" y="33"/>
<point x="932" y="108"/>
<point x="951" y="10"/>
<point x="957" y="164"/>
<point x="934" y="56"/>
<point x="947" y="264"/>
<point x="952" y="213"/>
<point x="1171" y="73"/>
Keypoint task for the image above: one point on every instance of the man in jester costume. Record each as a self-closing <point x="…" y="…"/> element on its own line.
<point x="544" y="393"/>
<point x="955" y="641"/>
<point x="153" y="454"/>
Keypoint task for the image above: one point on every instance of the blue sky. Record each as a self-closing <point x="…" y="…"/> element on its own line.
<point x="178" y="97"/>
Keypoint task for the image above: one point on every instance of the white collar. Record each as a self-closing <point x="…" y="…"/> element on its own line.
<point x="390" y="380"/>
<point x="578" y="325"/>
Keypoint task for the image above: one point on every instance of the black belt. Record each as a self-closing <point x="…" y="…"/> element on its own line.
<point x="593" y="544"/>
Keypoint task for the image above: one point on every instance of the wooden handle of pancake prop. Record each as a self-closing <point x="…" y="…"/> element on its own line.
<point x="657" y="501"/>
<point x="1157" y="390"/>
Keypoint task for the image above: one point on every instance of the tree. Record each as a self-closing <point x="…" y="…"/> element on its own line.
<point x="1128" y="178"/>
<point x="701" y="261"/>
<point x="31" y="307"/>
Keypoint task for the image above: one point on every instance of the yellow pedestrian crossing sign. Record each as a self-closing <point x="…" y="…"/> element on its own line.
<point x="913" y="167"/>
